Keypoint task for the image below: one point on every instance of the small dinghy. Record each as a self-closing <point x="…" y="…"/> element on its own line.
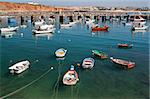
<point x="19" y="67"/>
<point x="125" y="45"/>
<point x="97" y="28"/>
<point x="100" y="54"/>
<point x="44" y="29"/>
<point x="88" y="63"/>
<point x="125" y="63"/>
<point x="60" y="52"/>
<point x="71" y="77"/>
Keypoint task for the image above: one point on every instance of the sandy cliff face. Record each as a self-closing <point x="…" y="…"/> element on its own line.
<point x="7" y="6"/>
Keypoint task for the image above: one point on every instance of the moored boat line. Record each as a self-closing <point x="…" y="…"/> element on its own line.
<point x="71" y="77"/>
<point x="127" y="64"/>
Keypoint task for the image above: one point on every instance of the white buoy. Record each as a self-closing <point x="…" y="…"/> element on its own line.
<point x="21" y="34"/>
<point x="52" y="67"/>
<point x="69" y="40"/>
<point x="58" y="31"/>
<point x="37" y="60"/>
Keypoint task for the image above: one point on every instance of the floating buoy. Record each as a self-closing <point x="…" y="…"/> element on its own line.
<point x="52" y="68"/>
<point x="69" y="40"/>
<point x="37" y="60"/>
<point x="10" y="61"/>
<point x="78" y="64"/>
<point x="21" y="34"/>
<point x="58" y="31"/>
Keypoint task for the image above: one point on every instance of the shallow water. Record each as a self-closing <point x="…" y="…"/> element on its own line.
<point x="104" y="81"/>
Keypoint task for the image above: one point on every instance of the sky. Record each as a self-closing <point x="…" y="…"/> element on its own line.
<point x="104" y="3"/>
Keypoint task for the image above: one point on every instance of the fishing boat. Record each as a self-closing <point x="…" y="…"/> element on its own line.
<point x="139" y="23"/>
<point x="125" y="45"/>
<point x="44" y="29"/>
<point x="97" y="28"/>
<point x="60" y="52"/>
<point x="141" y="27"/>
<point x="39" y="23"/>
<point x="100" y="54"/>
<point x="88" y="63"/>
<point x="19" y="67"/>
<point x="71" y="77"/>
<point x="125" y="63"/>
<point x="9" y="29"/>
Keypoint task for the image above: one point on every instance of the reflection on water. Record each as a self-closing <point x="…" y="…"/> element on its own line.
<point x="7" y="34"/>
<point x="135" y="32"/>
<point x="48" y="35"/>
<point x="79" y="41"/>
<point x="100" y="33"/>
<point x="60" y="59"/>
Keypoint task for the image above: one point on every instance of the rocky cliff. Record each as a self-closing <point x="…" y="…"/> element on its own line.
<point x="10" y="7"/>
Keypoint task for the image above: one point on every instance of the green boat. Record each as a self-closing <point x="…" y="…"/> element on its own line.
<point x="100" y="54"/>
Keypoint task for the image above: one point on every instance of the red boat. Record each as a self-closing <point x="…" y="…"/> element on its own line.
<point x="125" y="63"/>
<point x="105" y="28"/>
<point x="125" y="45"/>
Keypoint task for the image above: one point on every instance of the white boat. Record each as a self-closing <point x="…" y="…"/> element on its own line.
<point x="144" y="27"/>
<point x="71" y="77"/>
<point x="39" y="23"/>
<point x="88" y="63"/>
<point x="19" y="67"/>
<point x="89" y="21"/>
<point x="60" y="52"/>
<point x="139" y="23"/>
<point x="23" y="26"/>
<point x="9" y="29"/>
<point x="66" y="25"/>
<point x="45" y="29"/>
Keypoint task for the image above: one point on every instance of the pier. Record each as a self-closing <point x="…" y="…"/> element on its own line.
<point x="76" y="15"/>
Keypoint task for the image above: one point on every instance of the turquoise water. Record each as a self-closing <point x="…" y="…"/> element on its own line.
<point x="104" y="81"/>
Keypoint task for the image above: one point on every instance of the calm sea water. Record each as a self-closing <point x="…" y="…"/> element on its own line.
<point x="104" y="81"/>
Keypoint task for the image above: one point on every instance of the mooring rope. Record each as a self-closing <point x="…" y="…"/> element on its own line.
<point x="26" y="85"/>
<point x="55" y="92"/>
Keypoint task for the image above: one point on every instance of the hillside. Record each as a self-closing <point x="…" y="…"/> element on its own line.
<point x="19" y="7"/>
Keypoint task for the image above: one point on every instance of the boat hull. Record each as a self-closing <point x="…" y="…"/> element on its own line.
<point x="70" y="78"/>
<point x="19" y="67"/>
<point x="88" y="63"/>
<point x="100" y="29"/>
<point x="123" y="63"/>
<point x="43" y="32"/>
<point x="60" y="53"/>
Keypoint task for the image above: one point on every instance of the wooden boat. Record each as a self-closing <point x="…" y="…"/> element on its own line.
<point x="88" y="63"/>
<point x="19" y="67"/>
<point x="71" y="77"/>
<point x="125" y="63"/>
<point x="60" y="52"/>
<point x="125" y="45"/>
<point x="95" y="29"/>
<point x="100" y="54"/>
